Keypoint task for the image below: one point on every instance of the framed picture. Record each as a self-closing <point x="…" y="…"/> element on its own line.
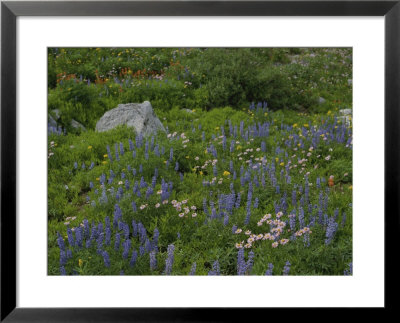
<point x="47" y="271"/>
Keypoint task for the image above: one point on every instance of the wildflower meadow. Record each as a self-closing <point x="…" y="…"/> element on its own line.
<point x="253" y="175"/>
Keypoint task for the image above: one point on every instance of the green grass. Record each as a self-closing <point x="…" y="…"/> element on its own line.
<point x="74" y="192"/>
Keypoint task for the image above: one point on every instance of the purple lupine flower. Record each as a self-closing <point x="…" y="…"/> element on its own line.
<point x="176" y="166"/>
<point x="349" y="272"/>
<point x="142" y="232"/>
<point x="131" y="146"/>
<point x="263" y="147"/>
<point x="121" y="148"/>
<point x="205" y="208"/>
<point x="141" y="251"/>
<point x="226" y="219"/>
<point x="116" y="152"/>
<point x="241" y="263"/>
<point x="171" y="154"/>
<point x="79" y="237"/>
<point x="99" y="240"/>
<point x="125" y="228"/>
<point x="109" y="153"/>
<point x="234" y="228"/>
<point x="156" y="234"/>
<point x="143" y="183"/>
<point x="108" y="236"/>
<point x="69" y="254"/>
<point x="149" y="192"/>
<point x="60" y="242"/>
<point x="103" y="199"/>
<point x="320" y="214"/>
<point x="62" y="271"/>
<point x="86" y="228"/>
<point x="117" y="215"/>
<point x="117" y="241"/>
<point x="294" y="201"/>
<point x="343" y="219"/>
<point x="330" y="230"/>
<point x="215" y="171"/>
<point x="336" y="214"/>
<point x="255" y="205"/>
<point x="301" y="217"/>
<point x="248" y="214"/>
<point x="63" y="258"/>
<point x="134" y="206"/>
<point x="269" y="270"/>
<point x="147" y="245"/>
<point x="70" y="237"/>
<point x="306" y="240"/>
<point x="170" y="259"/>
<point x="133" y="258"/>
<point x="134" y="228"/>
<point x="232" y="147"/>
<point x="215" y="269"/>
<point x="140" y="168"/>
<point x="237" y="203"/>
<point x="193" y="270"/>
<point x="106" y="259"/>
<point x="75" y="165"/>
<point x="286" y="269"/>
<point x="250" y="262"/>
<point x="126" y="247"/>
<point x="213" y="213"/>
<point x="153" y="261"/>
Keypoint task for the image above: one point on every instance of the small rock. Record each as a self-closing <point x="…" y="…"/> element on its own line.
<point x="321" y="100"/>
<point x="51" y="122"/>
<point x="345" y="119"/>
<point x="56" y="113"/>
<point x="345" y="112"/>
<point x="349" y="82"/>
<point x="76" y="125"/>
<point x="187" y="110"/>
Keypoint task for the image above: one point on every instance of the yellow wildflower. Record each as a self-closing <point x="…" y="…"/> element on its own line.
<point x="201" y="173"/>
<point x="104" y="162"/>
<point x="105" y="156"/>
<point x="89" y="147"/>
<point x="282" y="164"/>
<point x="80" y="262"/>
<point x="226" y="173"/>
<point x="295" y="125"/>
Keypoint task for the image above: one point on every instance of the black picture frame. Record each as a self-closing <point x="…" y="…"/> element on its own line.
<point x="10" y="10"/>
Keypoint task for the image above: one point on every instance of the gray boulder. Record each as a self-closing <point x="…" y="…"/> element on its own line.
<point x="140" y="116"/>
<point x="321" y="100"/>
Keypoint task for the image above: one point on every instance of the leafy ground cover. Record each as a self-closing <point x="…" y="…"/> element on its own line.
<point x="233" y="188"/>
